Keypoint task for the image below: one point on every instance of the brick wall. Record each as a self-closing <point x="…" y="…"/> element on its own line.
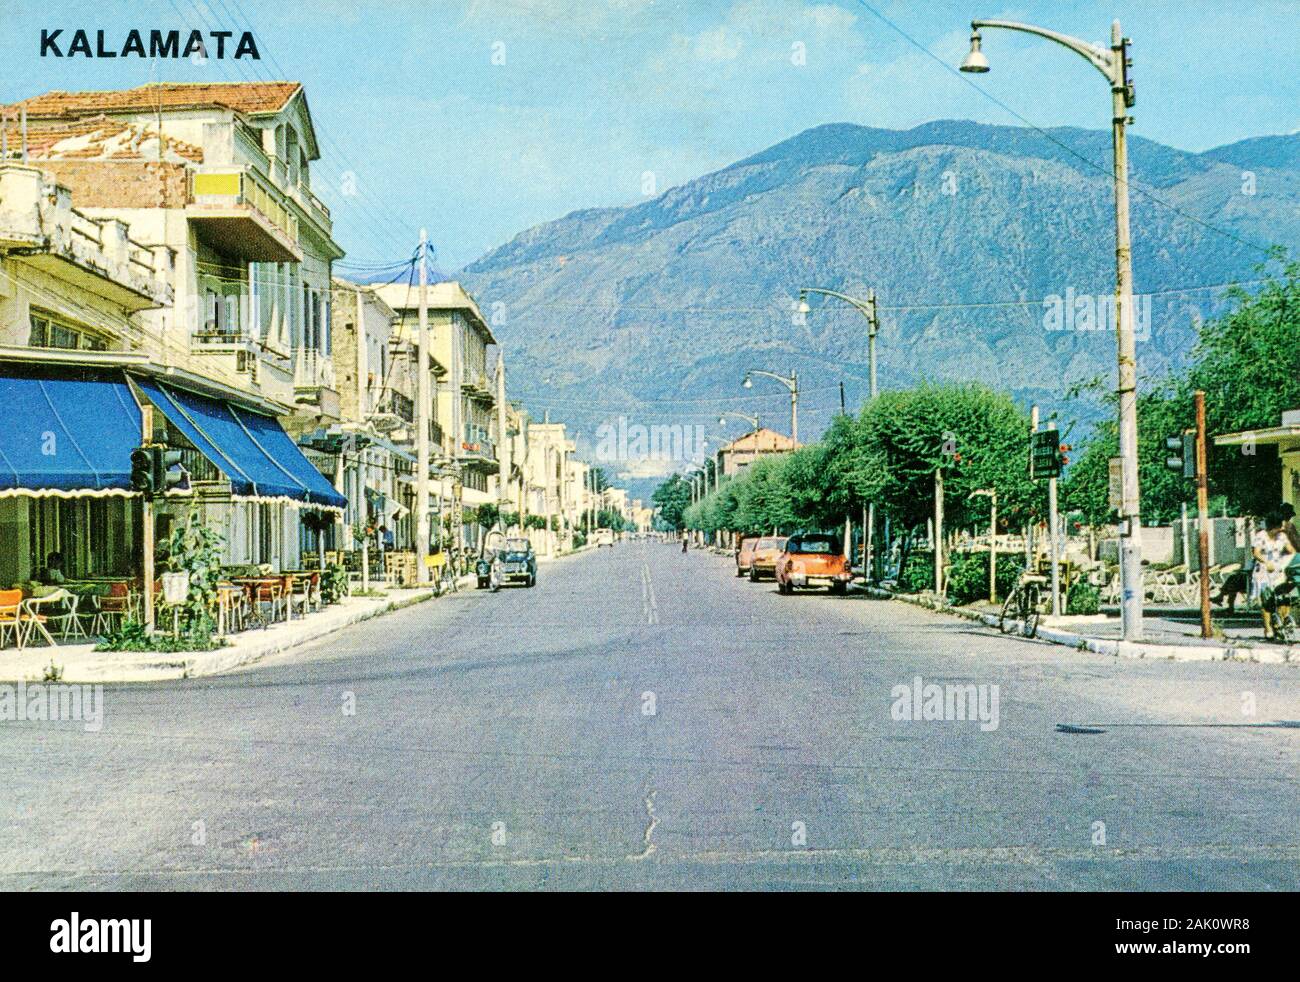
<point x="121" y="184"/>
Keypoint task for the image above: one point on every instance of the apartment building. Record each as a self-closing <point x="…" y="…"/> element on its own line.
<point x="213" y="183"/>
<point x="375" y="372"/>
<point x="465" y="412"/>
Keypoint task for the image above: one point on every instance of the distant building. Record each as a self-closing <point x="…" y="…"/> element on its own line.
<point x="740" y="453"/>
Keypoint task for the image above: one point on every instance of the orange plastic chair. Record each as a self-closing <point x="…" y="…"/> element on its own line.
<point x="11" y="604"/>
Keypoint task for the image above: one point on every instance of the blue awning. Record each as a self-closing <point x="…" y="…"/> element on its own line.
<point x="250" y="449"/>
<point x="68" y="432"/>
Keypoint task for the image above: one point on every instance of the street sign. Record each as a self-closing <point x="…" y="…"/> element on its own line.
<point x="1115" y="485"/>
<point x="1044" y="454"/>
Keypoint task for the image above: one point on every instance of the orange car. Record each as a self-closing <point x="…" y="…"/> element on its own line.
<point x="766" y="551"/>
<point x="812" y="559"/>
<point x="745" y="554"/>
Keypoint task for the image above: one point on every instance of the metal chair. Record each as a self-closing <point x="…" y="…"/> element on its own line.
<point x="112" y="606"/>
<point x="63" y="615"/>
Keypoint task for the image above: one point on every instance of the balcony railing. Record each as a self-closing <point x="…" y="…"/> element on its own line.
<point x="241" y="187"/>
<point x="312" y="369"/>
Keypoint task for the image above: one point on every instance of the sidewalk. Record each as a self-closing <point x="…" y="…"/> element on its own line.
<point x="1172" y="632"/>
<point x="82" y="663"/>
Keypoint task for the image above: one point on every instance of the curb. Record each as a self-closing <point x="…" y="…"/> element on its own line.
<point x="1104" y="646"/>
<point x="125" y="668"/>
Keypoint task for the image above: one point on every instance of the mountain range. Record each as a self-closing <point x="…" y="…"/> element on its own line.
<point x="976" y="239"/>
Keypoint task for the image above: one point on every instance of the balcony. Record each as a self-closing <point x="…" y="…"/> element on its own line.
<point x="478" y="449"/>
<point x="477" y="385"/>
<point x="241" y="215"/>
<point x="313" y="381"/>
<point x="38" y="222"/>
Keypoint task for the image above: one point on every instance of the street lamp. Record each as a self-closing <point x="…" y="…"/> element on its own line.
<point x="752" y="420"/>
<point x="791" y="383"/>
<point x="866" y="307"/>
<point x="1114" y="65"/>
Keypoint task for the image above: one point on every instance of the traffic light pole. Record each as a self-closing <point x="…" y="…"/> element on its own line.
<point x="146" y="520"/>
<point x="1203" y="513"/>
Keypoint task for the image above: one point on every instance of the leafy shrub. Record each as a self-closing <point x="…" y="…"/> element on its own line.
<point x="1083" y="598"/>
<point x="968" y="576"/>
<point x="917" y="573"/>
<point x="334" y="584"/>
<point x="132" y="636"/>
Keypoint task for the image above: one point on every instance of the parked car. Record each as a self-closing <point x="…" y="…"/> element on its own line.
<point x="766" y="552"/>
<point x="519" y="562"/>
<point x="745" y="554"/>
<point x="812" y="559"/>
<point x="604" y="537"/>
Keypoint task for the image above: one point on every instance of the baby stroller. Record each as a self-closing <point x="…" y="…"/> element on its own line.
<point x="1284" y="594"/>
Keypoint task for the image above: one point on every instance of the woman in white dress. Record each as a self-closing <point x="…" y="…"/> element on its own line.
<point x="1272" y="551"/>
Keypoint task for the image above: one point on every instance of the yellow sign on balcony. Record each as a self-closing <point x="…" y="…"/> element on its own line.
<point x="226" y="185"/>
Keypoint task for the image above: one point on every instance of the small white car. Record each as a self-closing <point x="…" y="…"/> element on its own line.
<point x="604" y="537"/>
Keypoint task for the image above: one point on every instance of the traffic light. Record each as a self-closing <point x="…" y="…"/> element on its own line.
<point x="1182" y="456"/>
<point x="168" y="474"/>
<point x="142" y="471"/>
<point x="1063" y="452"/>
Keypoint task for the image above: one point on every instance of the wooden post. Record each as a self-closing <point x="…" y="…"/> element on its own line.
<point x="1202" y="509"/>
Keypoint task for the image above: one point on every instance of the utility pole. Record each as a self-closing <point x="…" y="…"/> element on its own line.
<point x="503" y="468"/>
<point x="1203" y="513"/>
<point x="794" y="406"/>
<point x="993" y="547"/>
<point x="422" y="423"/>
<point x="1130" y="529"/>
<point x="146" y="522"/>
<point x="1055" y="539"/>
<point x="546" y="497"/>
<point x="938" y="531"/>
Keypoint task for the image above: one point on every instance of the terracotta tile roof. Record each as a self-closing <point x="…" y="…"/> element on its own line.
<point x="760" y="441"/>
<point x="245" y="97"/>
<point x="96" y="138"/>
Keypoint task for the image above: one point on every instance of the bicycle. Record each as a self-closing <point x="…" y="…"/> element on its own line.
<point x="1023" y="606"/>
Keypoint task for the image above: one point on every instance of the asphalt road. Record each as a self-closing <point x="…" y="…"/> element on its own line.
<point x="642" y="719"/>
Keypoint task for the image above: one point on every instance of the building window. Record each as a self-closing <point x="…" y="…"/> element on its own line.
<point x="49" y="332"/>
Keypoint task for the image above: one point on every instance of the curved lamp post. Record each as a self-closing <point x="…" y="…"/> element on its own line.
<point x="866" y="307"/>
<point x="791" y="383"/>
<point x="1114" y="65"/>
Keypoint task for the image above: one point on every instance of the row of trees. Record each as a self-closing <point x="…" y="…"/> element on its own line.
<point x="889" y="455"/>
<point x="1247" y="361"/>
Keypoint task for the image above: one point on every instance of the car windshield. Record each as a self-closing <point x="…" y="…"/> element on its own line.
<point x="815" y="544"/>
<point x="747" y="543"/>
<point x="517" y="545"/>
<point x="768" y="544"/>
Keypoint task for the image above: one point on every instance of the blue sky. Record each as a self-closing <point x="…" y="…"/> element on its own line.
<point x="481" y="118"/>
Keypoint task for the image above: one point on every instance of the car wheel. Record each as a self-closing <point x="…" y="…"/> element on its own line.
<point x="839" y="589"/>
<point x="753" y="575"/>
<point x="482" y="584"/>
<point x="740" y="571"/>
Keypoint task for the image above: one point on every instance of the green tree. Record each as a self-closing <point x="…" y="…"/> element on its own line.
<point x="673" y="497"/>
